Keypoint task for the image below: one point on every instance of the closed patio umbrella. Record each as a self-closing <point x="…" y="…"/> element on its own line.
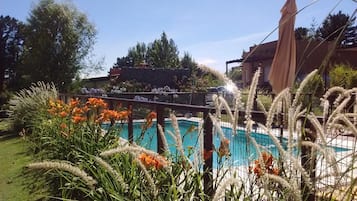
<point x="282" y="71"/>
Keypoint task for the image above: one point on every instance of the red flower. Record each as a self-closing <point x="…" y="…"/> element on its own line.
<point x="207" y="154"/>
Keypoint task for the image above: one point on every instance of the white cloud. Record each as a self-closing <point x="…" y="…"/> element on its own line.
<point x="206" y="61"/>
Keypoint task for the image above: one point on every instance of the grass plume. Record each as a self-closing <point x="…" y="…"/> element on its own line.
<point x="65" y="166"/>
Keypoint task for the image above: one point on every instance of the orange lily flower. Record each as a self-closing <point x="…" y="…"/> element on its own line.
<point x="123" y="115"/>
<point x="96" y="103"/>
<point x="74" y="103"/>
<point x="149" y="160"/>
<point x="63" y="126"/>
<point x="267" y="160"/>
<point x="223" y="149"/>
<point x="78" y="119"/>
<point x="63" y="114"/>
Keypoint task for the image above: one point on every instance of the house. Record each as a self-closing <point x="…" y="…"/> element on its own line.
<point x="156" y="77"/>
<point x="309" y="56"/>
<point x="96" y="82"/>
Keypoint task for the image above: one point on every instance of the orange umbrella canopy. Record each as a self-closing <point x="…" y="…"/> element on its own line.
<point x="282" y="72"/>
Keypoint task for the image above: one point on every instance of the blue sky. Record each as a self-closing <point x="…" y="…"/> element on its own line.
<point x="211" y="31"/>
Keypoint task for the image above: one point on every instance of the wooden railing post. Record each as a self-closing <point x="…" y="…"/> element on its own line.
<point x="130" y="123"/>
<point x="66" y="99"/>
<point x="308" y="162"/>
<point x="160" y="121"/>
<point x="110" y="107"/>
<point x="207" y="147"/>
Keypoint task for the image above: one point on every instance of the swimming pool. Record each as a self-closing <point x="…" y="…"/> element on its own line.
<point x="241" y="150"/>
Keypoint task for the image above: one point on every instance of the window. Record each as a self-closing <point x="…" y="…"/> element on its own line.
<point x="266" y="73"/>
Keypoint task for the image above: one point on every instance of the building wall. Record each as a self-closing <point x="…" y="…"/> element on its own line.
<point x="98" y="82"/>
<point x="310" y="55"/>
<point x="347" y="56"/>
<point x="156" y="77"/>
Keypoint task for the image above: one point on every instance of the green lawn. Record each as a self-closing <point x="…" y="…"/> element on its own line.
<point x="12" y="161"/>
<point x="13" y="158"/>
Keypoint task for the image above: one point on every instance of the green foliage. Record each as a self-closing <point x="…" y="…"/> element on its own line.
<point x="200" y="82"/>
<point x="60" y="134"/>
<point x="235" y="75"/>
<point x="59" y="137"/>
<point x="14" y="184"/>
<point x="66" y="38"/>
<point x="315" y="86"/>
<point x="188" y="62"/>
<point x="130" y="86"/>
<point x="344" y="76"/>
<point x="77" y="85"/>
<point x="27" y="105"/>
<point x="336" y="26"/>
<point x="136" y="57"/>
<point x="138" y="54"/>
<point x="263" y="96"/>
<point x="302" y="33"/>
<point x="4" y="127"/>
<point x="124" y="175"/>
<point x="333" y="25"/>
<point x="312" y="92"/>
<point x="4" y="98"/>
<point x="11" y="46"/>
<point x="162" y="53"/>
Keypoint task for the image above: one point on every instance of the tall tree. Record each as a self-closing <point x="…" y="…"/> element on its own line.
<point x="59" y="38"/>
<point x="350" y="38"/>
<point x="188" y="62"/>
<point x="137" y="54"/>
<point x="163" y="53"/>
<point x="11" y="42"/>
<point x="123" y="61"/>
<point x="302" y="33"/>
<point x="236" y="75"/>
<point x="333" y="25"/>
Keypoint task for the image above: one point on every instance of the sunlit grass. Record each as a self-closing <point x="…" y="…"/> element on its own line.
<point x="15" y="184"/>
<point x="4" y="127"/>
<point x="12" y="160"/>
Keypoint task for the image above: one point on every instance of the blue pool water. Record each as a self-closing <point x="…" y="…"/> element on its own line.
<point x="240" y="149"/>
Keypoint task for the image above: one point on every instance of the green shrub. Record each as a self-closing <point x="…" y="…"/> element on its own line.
<point x="311" y="93"/>
<point x="73" y="146"/>
<point x="343" y="75"/>
<point x="27" y="106"/>
<point x="70" y="137"/>
<point x="4" y="98"/>
<point x="264" y="97"/>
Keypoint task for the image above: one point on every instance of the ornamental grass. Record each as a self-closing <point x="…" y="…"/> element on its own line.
<point x="73" y="134"/>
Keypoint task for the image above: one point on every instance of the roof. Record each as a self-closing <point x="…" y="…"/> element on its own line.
<point x="310" y="54"/>
<point x="96" y="79"/>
